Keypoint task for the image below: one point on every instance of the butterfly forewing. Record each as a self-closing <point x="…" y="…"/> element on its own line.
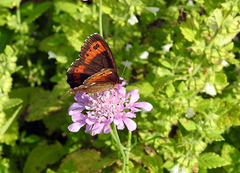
<point x="95" y="70"/>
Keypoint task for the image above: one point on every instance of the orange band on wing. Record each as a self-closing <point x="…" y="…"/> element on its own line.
<point x="95" y="49"/>
<point x="99" y="77"/>
<point x="80" y="69"/>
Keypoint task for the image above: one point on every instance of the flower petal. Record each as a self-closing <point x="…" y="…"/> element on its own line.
<point x="106" y="129"/>
<point x="134" y="95"/>
<point x="77" y="118"/>
<point x="145" y="105"/>
<point x="76" y="106"/>
<point x="75" y="127"/>
<point x="131" y="125"/>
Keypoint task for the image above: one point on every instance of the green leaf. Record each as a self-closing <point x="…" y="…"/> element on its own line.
<point x="214" y="136"/>
<point x="6" y="126"/>
<point x="11" y="103"/>
<point x="215" y="18"/>
<point x="106" y="161"/>
<point x="231" y="155"/>
<point x="170" y="90"/>
<point x="153" y="163"/>
<point x="9" y="3"/>
<point x="38" y="11"/>
<point x="144" y="87"/>
<point x="190" y="29"/>
<point x="41" y="156"/>
<point x="189" y="125"/>
<point x="68" y="167"/>
<point x="83" y="160"/>
<point x="211" y="160"/>
<point x="166" y="80"/>
<point x="165" y="63"/>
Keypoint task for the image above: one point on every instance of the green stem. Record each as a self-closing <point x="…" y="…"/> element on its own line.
<point x="128" y="150"/>
<point x="100" y="18"/>
<point x="115" y="136"/>
<point x="18" y="13"/>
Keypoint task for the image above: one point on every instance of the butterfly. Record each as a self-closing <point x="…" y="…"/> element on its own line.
<point x="95" y="70"/>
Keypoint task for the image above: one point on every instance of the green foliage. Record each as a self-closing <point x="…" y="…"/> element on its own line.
<point x="41" y="156"/>
<point x="191" y="124"/>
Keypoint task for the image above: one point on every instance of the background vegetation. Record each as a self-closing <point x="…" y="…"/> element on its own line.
<point x="189" y="125"/>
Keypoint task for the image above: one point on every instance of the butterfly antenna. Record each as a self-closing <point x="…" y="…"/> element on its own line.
<point x="126" y="63"/>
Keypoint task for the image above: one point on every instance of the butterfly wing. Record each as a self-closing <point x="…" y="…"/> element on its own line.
<point x="95" y="69"/>
<point x="103" y="80"/>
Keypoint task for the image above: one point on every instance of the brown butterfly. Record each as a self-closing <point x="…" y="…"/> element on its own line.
<point x="95" y="70"/>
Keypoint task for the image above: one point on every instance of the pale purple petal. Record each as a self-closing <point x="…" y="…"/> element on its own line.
<point x="76" y="106"/>
<point x="134" y="91"/>
<point x="145" y="105"/>
<point x="106" y="129"/>
<point x="97" y="128"/>
<point x="90" y="121"/>
<point x="134" y="96"/>
<point x="120" y="125"/>
<point x="88" y="128"/>
<point x="76" y="118"/>
<point x="131" y="125"/>
<point x="75" y="127"/>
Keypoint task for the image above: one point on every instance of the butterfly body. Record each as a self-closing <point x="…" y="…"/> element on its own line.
<point x="95" y="70"/>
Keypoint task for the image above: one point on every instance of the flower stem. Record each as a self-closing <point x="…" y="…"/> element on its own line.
<point x="128" y="150"/>
<point x="115" y="136"/>
<point x="100" y="18"/>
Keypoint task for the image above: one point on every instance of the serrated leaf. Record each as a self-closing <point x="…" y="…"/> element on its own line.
<point x="40" y="107"/>
<point x="189" y="125"/>
<point x="37" y="11"/>
<point x="166" y="80"/>
<point x="11" y="103"/>
<point x="41" y="156"/>
<point x="83" y="160"/>
<point x="144" y="87"/>
<point x="106" y="161"/>
<point x="6" y="126"/>
<point x="170" y="90"/>
<point x="213" y="135"/>
<point x="215" y="18"/>
<point x="233" y="61"/>
<point x="68" y="167"/>
<point x="9" y="129"/>
<point x="68" y="7"/>
<point x="190" y="29"/>
<point x="211" y="160"/>
<point x="9" y="3"/>
<point x="232" y="155"/>
<point x="8" y="51"/>
<point x="165" y="63"/>
<point x="154" y="163"/>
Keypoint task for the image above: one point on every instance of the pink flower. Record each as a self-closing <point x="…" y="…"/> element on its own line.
<point x="99" y="110"/>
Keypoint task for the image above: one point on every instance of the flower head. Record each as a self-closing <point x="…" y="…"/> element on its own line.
<point x="99" y="110"/>
<point x="154" y="10"/>
<point x="209" y="89"/>
<point x="190" y="113"/>
<point x="51" y="55"/>
<point x="128" y="46"/>
<point x="224" y="63"/>
<point x="133" y="19"/>
<point x="144" y="55"/>
<point x="176" y="169"/>
<point x="166" y="47"/>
